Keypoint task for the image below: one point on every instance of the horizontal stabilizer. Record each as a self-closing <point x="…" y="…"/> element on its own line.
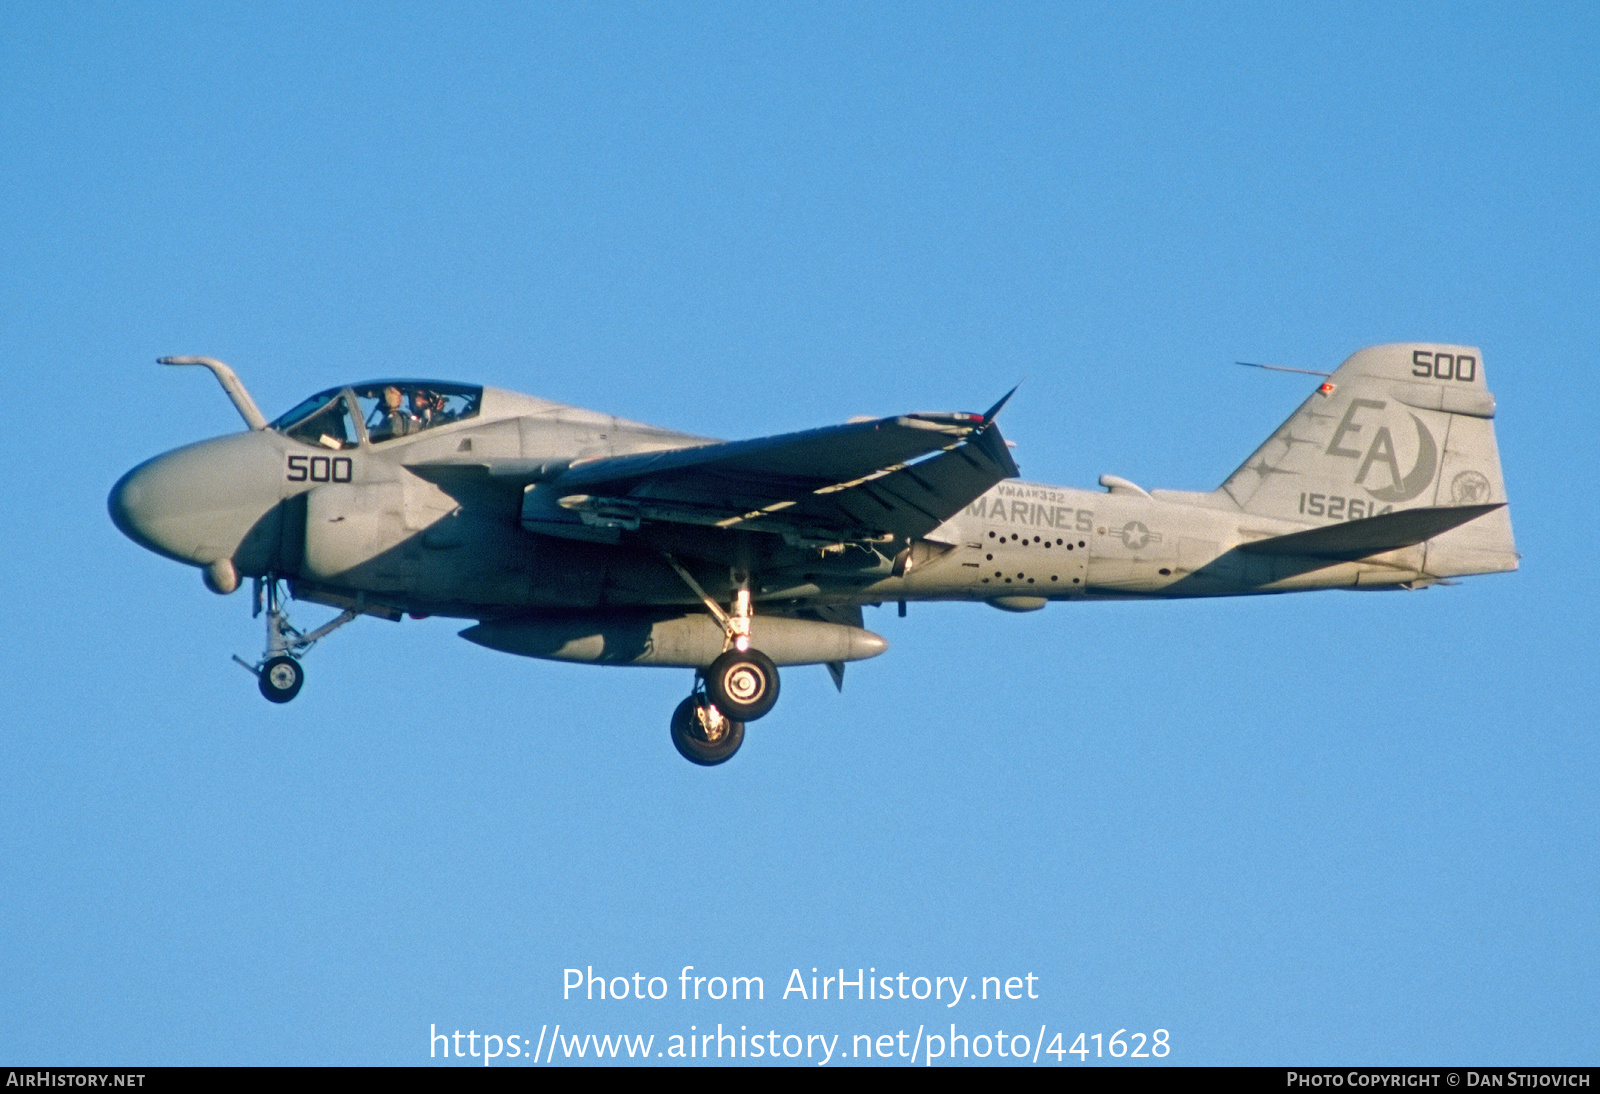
<point x="1354" y="539"/>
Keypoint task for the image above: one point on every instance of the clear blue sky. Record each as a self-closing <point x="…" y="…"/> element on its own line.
<point x="1316" y="829"/>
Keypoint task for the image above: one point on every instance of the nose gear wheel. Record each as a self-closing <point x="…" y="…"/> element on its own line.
<point x="280" y="679"/>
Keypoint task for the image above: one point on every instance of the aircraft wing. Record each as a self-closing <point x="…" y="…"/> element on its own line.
<point x="889" y="477"/>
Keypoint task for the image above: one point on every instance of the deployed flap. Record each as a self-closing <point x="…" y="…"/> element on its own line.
<point x="1354" y="539"/>
<point x="892" y="477"/>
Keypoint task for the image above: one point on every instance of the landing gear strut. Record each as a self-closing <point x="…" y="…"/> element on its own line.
<point x="278" y="673"/>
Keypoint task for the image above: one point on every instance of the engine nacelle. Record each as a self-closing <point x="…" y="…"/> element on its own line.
<point x="692" y="640"/>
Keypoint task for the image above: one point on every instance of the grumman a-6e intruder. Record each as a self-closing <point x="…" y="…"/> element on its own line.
<point x="576" y="536"/>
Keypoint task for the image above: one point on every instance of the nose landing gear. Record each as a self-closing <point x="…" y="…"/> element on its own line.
<point x="278" y="674"/>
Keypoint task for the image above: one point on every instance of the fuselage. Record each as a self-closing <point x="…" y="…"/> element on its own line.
<point x="428" y="523"/>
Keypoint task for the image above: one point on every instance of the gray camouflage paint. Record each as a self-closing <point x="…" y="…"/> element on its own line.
<point x="1395" y="427"/>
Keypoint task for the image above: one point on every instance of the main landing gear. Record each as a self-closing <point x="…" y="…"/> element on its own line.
<point x="702" y="734"/>
<point x="740" y="686"/>
<point x="278" y="674"/>
<point x="742" y="683"/>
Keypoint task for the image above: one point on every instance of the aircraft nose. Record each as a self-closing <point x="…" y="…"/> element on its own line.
<point x="196" y="504"/>
<point x="127" y="505"/>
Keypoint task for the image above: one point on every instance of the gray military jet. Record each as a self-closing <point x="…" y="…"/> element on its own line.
<point x="576" y="536"/>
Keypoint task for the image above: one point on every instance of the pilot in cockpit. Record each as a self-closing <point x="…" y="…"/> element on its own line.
<point x="390" y="418"/>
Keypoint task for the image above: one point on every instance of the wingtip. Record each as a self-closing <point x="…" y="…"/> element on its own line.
<point x="989" y="415"/>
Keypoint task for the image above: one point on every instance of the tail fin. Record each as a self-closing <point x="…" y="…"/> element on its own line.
<point x="1394" y="428"/>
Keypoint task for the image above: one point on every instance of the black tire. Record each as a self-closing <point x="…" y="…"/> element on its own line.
<point x="280" y="679"/>
<point x="743" y="685"/>
<point x="689" y="736"/>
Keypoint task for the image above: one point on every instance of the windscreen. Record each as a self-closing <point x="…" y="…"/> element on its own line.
<point x="323" y="419"/>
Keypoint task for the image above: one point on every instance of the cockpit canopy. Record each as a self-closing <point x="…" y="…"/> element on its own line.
<point x="344" y="417"/>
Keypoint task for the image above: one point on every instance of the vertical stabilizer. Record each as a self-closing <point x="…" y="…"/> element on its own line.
<point x="1395" y="427"/>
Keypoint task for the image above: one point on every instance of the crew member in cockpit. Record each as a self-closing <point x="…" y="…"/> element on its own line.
<point x="391" y="417"/>
<point x="427" y="408"/>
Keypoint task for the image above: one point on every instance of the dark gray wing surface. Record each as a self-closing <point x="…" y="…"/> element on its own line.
<point x="896" y="477"/>
<point x="1354" y="539"/>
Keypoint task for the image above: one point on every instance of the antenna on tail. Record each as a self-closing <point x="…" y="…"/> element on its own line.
<point x="1285" y="368"/>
